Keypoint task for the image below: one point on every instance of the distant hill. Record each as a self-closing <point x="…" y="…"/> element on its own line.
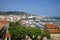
<point x="14" y="13"/>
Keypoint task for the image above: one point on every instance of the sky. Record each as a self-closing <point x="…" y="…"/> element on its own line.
<point x="37" y="7"/>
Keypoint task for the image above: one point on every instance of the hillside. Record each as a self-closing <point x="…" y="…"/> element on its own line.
<point x="14" y="13"/>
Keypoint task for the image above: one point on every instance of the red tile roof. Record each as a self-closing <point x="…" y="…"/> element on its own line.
<point x="3" y="23"/>
<point x="1" y="26"/>
<point x="48" y="25"/>
<point x="52" y="28"/>
<point x="54" y="31"/>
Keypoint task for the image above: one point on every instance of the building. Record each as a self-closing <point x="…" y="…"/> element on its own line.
<point x="4" y="25"/>
<point x="53" y="29"/>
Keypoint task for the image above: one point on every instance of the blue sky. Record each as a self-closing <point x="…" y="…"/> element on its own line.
<point x="38" y="7"/>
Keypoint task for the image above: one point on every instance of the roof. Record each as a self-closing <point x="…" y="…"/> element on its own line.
<point x="48" y="25"/>
<point x="54" y="31"/>
<point x="52" y="28"/>
<point x="3" y="23"/>
<point x="1" y="26"/>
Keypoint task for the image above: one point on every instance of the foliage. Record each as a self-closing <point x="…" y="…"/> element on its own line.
<point x="45" y="34"/>
<point x="17" y="30"/>
<point x="33" y="31"/>
<point x="14" y="13"/>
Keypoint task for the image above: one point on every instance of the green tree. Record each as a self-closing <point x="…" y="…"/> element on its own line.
<point x="17" y="30"/>
<point x="33" y="31"/>
<point x="46" y="34"/>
